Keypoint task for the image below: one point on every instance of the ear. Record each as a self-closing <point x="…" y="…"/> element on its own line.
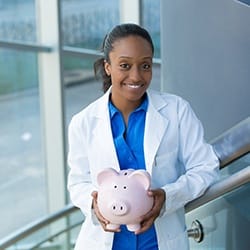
<point x="143" y="177"/>
<point x="106" y="174"/>
<point x="107" y="68"/>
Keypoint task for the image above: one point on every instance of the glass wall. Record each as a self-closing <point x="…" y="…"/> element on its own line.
<point x="225" y="220"/>
<point x="22" y="164"/>
<point x="17" y="21"/>
<point x="84" y="25"/>
<point x="80" y="87"/>
<point x="150" y="19"/>
<point x="86" y="22"/>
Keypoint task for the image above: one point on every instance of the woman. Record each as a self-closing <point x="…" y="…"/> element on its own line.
<point x="131" y="126"/>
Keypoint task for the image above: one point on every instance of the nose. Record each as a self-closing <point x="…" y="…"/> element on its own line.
<point x="119" y="208"/>
<point x="135" y="75"/>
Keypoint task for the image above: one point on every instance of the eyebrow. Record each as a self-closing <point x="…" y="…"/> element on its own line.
<point x="127" y="57"/>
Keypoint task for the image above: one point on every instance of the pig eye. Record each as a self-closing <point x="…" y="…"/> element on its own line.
<point x="124" y="187"/>
<point x="125" y="173"/>
<point x="115" y="186"/>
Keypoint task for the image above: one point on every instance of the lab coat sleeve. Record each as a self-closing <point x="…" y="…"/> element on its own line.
<point x="79" y="180"/>
<point x="198" y="158"/>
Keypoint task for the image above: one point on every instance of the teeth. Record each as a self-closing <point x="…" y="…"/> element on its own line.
<point x="134" y="86"/>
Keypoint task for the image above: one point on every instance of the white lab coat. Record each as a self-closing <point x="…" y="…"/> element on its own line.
<point x="176" y="156"/>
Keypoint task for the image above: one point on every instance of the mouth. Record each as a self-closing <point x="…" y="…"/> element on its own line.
<point x="134" y="86"/>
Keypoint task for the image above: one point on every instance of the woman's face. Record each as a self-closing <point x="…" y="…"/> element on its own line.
<point x="130" y="69"/>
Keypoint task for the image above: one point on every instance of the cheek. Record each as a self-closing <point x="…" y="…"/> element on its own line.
<point x="148" y="77"/>
<point x="117" y="77"/>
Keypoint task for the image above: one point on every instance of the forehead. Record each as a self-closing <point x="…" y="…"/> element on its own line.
<point x="131" y="46"/>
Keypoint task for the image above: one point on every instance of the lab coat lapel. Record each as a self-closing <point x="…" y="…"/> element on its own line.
<point x="155" y="128"/>
<point x="104" y="146"/>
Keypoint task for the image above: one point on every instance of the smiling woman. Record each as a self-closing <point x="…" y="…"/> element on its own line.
<point x="140" y="127"/>
<point x="127" y="66"/>
<point x="130" y="68"/>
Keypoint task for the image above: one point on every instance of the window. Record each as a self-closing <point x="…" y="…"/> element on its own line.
<point x="22" y="159"/>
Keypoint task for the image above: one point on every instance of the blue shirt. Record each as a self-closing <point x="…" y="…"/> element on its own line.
<point x="129" y="148"/>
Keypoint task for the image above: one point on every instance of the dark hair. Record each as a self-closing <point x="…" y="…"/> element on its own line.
<point x="118" y="32"/>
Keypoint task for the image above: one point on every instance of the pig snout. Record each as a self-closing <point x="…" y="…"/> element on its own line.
<point x="119" y="208"/>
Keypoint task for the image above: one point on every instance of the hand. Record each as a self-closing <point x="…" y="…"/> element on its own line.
<point x="99" y="216"/>
<point x="148" y="219"/>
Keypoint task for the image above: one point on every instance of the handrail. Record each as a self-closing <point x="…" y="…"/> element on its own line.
<point x="51" y="237"/>
<point x="220" y="188"/>
<point x="35" y="226"/>
<point x="238" y="141"/>
<point x="234" y="143"/>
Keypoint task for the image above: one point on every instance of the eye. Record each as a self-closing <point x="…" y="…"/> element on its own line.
<point x="124" y="187"/>
<point x="115" y="186"/>
<point x="124" y="66"/>
<point x="146" y="66"/>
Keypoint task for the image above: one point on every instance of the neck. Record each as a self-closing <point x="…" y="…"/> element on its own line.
<point x="126" y="107"/>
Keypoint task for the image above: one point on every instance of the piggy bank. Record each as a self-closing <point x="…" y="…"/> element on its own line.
<point x="122" y="197"/>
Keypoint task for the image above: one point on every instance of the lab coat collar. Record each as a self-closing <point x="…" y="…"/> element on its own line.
<point x="155" y="126"/>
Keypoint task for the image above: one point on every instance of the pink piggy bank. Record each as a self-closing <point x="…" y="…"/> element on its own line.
<point x="122" y="197"/>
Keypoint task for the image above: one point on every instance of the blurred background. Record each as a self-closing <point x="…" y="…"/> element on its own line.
<point x="47" y="51"/>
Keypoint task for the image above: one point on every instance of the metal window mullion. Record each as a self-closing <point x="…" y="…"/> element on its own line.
<point x="51" y="98"/>
<point x="130" y="11"/>
<point x="24" y="46"/>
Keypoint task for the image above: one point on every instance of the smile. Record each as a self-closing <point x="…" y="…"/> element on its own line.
<point x="134" y="86"/>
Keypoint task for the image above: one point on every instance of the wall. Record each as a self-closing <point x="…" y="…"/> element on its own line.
<point x="205" y="48"/>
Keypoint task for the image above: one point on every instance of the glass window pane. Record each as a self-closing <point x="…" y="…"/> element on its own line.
<point x="17" y="20"/>
<point x="81" y="88"/>
<point x="150" y="14"/>
<point x="85" y="23"/>
<point x="22" y="172"/>
<point x="225" y="221"/>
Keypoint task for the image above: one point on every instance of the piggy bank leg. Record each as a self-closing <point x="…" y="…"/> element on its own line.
<point x="112" y="226"/>
<point x="133" y="227"/>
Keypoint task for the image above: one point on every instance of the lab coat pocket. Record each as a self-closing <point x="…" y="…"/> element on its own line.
<point x="164" y="170"/>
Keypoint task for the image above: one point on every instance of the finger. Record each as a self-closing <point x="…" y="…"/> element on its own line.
<point x="112" y="230"/>
<point x="145" y="225"/>
<point x="150" y="193"/>
<point x="99" y="216"/>
<point x="94" y="194"/>
<point x="147" y="216"/>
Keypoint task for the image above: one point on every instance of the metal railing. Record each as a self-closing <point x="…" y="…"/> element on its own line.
<point x="36" y="225"/>
<point x="220" y="188"/>
<point x="234" y="143"/>
<point x="229" y="147"/>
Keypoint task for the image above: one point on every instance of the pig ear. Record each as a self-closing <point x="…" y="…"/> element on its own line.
<point x="143" y="177"/>
<point x="106" y="174"/>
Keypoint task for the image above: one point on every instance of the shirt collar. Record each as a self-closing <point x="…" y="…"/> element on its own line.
<point x="144" y="105"/>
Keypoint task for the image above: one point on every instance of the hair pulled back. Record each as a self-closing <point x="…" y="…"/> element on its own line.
<point x="118" y="32"/>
